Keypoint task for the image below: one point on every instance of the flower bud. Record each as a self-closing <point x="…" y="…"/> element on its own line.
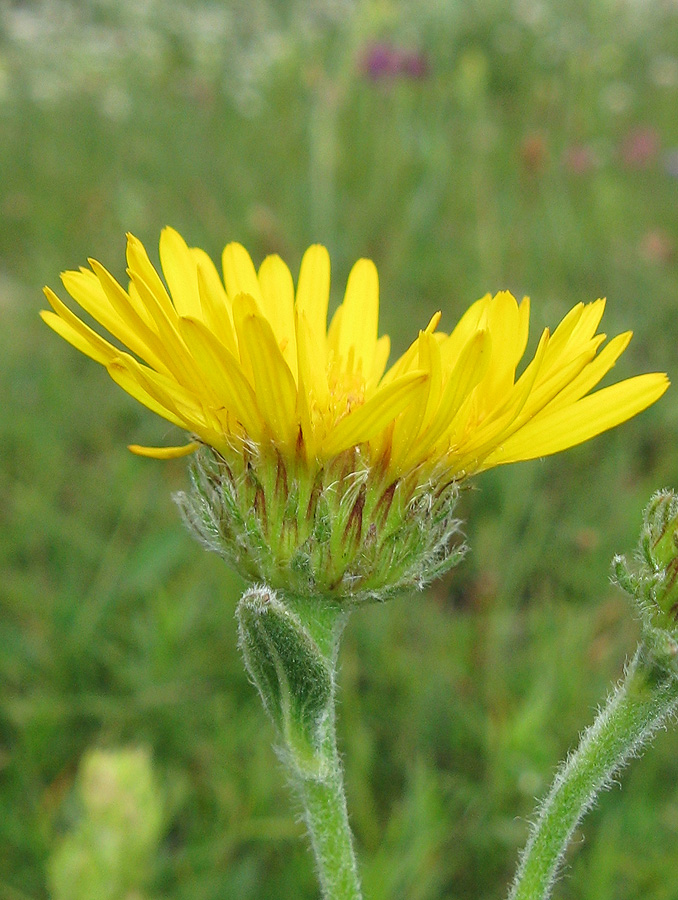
<point x="653" y="582"/>
<point x="292" y="674"/>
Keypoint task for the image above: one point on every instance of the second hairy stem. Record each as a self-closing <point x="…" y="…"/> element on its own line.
<point x="645" y="698"/>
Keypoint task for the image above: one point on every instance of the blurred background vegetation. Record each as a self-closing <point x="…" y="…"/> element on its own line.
<point x="466" y="147"/>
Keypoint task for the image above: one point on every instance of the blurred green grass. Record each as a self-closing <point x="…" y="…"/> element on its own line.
<point x="536" y="151"/>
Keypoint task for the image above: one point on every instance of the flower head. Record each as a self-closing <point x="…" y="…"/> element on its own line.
<point x="248" y="367"/>
<point x="251" y="360"/>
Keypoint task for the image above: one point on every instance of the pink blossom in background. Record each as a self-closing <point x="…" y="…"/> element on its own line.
<point x="640" y="147"/>
<point x="580" y="159"/>
<point x="657" y="246"/>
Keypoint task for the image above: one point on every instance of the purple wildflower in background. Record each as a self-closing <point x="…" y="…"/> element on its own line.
<point x="414" y="64"/>
<point x="383" y="60"/>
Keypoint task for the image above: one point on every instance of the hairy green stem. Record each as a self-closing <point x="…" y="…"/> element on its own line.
<point x="327" y="822"/>
<point x="647" y="695"/>
<point x="290" y="648"/>
<point x="322" y="793"/>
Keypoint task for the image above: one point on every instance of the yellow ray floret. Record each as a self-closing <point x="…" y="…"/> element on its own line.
<point x="244" y="359"/>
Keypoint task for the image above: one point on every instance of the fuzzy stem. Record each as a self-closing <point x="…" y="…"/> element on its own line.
<point x="290" y="647"/>
<point x="322" y="795"/>
<point x="327" y="822"/>
<point x="647" y="695"/>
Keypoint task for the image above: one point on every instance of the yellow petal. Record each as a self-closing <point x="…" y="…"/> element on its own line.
<point x="588" y="323"/>
<point x="147" y="343"/>
<point x="244" y="305"/>
<point x="123" y="376"/>
<point x="594" y="372"/>
<point x="240" y="276"/>
<point x="164" y="452"/>
<point x="359" y="318"/>
<point x="179" y="359"/>
<point x="469" y="323"/>
<point x="313" y="293"/>
<point x="333" y="335"/>
<point x="180" y="269"/>
<point x="381" y="355"/>
<point x="225" y="374"/>
<point x="310" y="434"/>
<point x="523" y="326"/>
<point x="457" y="391"/>
<point x="86" y="289"/>
<point x="506" y="419"/>
<point x="81" y="336"/>
<point x="551" y="432"/>
<point x="507" y="327"/>
<point x="566" y="326"/>
<point x="139" y="263"/>
<point x="368" y="420"/>
<point x="190" y="407"/>
<point x="430" y="362"/>
<point x="277" y="293"/>
<point x="311" y="363"/>
<point x="552" y="379"/>
<point x="137" y="303"/>
<point x="274" y="385"/>
<point x="216" y="307"/>
<point x="416" y="417"/>
<point x="408" y="360"/>
<point x="574" y="331"/>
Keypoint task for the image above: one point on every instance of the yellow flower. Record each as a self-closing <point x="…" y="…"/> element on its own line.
<point x="250" y="362"/>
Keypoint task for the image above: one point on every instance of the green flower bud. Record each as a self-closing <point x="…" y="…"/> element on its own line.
<point x="341" y="532"/>
<point x="660" y="538"/>
<point x="292" y="673"/>
<point x="653" y="581"/>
